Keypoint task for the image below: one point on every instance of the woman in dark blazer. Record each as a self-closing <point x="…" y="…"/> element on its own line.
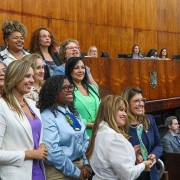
<point x="43" y="42"/>
<point x="151" y="148"/>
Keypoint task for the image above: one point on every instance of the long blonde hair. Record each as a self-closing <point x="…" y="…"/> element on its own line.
<point x="107" y="112"/>
<point x="127" y="94"/>
<point x="32" y="58"/>
<point x="15" y="73"/>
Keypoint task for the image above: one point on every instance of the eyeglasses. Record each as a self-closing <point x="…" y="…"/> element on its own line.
<point x="3" y="70"/>
<point x="67" y="88"/>
<point x="46" y="36"/>
<point x="138" y="101"/>
<point x="93" y="51"/>
<point x="71" y="48"/>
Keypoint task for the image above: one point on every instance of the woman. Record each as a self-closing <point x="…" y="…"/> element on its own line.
<point x="136" y="53"/>
<point x="152" y="147"/>
<point x="110" y="154"/>
<point x="2" y="74"/>
<point x="70" y="48"/>
<point x="14" y="33"/>
<point x="86" y="97"/>
<point x="21" y="147"/>
<point x="93" y="51"/>
<point x="43" y="42"/>
<point x="64" y="132"/>
<point x="152" y="53"/>
<point x="163" y="54"/>
<point x="37" y="64"/>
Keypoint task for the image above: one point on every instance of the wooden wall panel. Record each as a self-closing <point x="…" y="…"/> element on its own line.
<point x="150" y="15"/>
<point x="113" y="26"/>
<point x="127" y="14"/>
<point x="139" y="13"/>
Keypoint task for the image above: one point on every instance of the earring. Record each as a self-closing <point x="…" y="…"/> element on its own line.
<point x="7" y="46"/>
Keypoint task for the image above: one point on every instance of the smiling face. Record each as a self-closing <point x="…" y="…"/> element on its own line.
<point x="72" y="50"/>
<point x="39" y="71"/>
<point x="78" y="71"/>
<point x="137" y="104"/>
<point x="26" y="83"/>
<point x="15" y="41"/>
<point x="65" y="94"/>
<point x="2" y="74"/>
<point x="121" y="117"/>
<point x="44" y="38"/>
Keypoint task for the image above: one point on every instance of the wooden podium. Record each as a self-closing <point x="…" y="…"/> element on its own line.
<point x="115" y="74"/>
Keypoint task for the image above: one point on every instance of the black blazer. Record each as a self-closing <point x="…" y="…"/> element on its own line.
<point x="57" y="61"/>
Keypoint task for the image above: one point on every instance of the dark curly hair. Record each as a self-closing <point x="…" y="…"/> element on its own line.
<point x="34" y="45"/>
<point x="62" y="53"/>
<point x="10" y="26"/>
<point x="49" y="94"/>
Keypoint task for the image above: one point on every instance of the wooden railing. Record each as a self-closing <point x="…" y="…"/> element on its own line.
<point x="113" y="75"/>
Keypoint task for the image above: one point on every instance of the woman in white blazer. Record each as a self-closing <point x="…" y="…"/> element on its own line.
<point x="110" y="153"/>
<point x="21" y="148"/>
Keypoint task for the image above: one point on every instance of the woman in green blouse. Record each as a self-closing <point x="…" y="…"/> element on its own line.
<point x="86" y="99"/>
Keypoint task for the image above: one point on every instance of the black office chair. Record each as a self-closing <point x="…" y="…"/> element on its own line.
<point x="83" y="54"/>
<point x="104" y="54"/>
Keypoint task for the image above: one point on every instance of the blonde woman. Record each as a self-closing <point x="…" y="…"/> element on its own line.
<point x="2" y="74"/>
<point x="37" y="64"/>
<point x="21" y="147"/>
<point x="110" y="154"/>
<point x="93" y="52"/>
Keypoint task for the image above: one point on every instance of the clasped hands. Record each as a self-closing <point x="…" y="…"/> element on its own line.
<point x="86" y="172"/>
<point x="139" y="158"/>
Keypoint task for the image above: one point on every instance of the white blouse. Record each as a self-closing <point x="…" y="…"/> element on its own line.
<point x="113" y="157"/>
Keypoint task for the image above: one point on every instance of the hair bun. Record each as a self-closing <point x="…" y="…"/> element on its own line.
<point x="10" y="26"/>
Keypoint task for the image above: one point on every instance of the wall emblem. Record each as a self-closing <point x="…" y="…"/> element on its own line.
<point x="153" y="79"/>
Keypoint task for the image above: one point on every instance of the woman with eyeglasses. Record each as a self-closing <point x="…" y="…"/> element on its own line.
<point x="2" y="74"/>
<point x="70" y="48"/>
<point x="93" y="52"/>
<point x="143" y="131"/>
<point x="43" y="42"/>
<point x="86" y="96"/>
<point x="63" y="131"/>
<point x="14" y="33"/>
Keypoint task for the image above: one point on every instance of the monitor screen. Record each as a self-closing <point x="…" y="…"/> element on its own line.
<point x="124" y="56"/>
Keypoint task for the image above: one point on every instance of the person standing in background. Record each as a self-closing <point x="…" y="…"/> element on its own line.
<point x="86" y="96"/>
<point x="43" y="42"/>
<point x="14" y="33"/>
<point x="37" y="64"/>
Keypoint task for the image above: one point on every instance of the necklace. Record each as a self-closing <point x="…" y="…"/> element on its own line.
<point x="134" y="126"/>
<point x="79" y="86"/>
<point x="22" y="105"/>
<point x="17" y="57"/>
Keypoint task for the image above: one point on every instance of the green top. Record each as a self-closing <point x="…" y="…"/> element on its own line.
<point x="87" y="106"/>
